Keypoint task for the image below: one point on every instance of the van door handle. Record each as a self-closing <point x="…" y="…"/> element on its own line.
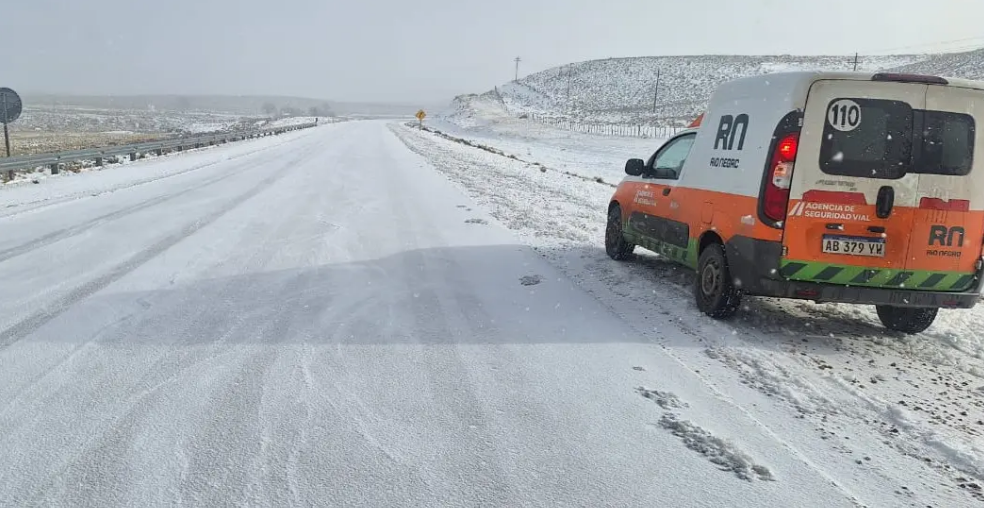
<point x="666" y="191"/>
<point x="885" y="202"/>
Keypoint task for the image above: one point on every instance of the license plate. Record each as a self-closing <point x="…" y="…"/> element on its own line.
<point x="854" y="246"/>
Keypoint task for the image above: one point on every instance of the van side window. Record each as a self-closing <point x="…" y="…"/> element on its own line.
<point x="668" y="161"/>
<point x="877" y="138"/>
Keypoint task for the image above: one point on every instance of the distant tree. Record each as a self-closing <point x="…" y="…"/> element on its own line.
<point x="269" y="109"/>
<point x="314" y="111"/>
<point x="326" y="110"/>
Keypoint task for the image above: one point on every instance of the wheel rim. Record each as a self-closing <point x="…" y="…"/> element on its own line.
<point x="710" y="279"/>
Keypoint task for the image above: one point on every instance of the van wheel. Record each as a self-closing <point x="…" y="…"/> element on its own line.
<point x="615" y="244"/>
<point x="906" y="320"/>
<point x="714" y="289"/>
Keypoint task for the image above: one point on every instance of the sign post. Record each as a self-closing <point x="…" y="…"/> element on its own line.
<point x="10" y="110"/>
<point x="420" y="118"/>
<point x="6" y="133"/>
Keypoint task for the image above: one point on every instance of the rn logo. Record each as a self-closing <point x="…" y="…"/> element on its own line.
<point x="728" y="129"/>
<point x="945" y="236"/>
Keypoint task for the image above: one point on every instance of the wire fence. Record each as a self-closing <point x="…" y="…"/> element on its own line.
<point x="627" y="130"/>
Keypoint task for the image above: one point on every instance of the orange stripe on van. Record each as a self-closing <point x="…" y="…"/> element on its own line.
<point x="953" y="205"/>
<point x="725" y="213"/>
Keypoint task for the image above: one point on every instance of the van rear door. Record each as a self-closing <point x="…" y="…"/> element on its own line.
<point x="851" y="200"/>
<point x="947" y="221"/>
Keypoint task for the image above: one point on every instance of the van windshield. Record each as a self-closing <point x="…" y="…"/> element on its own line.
<point x="877" y="138"/>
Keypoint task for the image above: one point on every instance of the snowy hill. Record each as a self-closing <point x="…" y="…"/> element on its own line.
<point x="968" y="65"/>
<point x="621" y="90"/>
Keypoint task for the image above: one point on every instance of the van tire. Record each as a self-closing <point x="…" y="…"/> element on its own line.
<point x="906" y="320"/>
<point x="715" y="291"/>
<point x="615" y="244"/>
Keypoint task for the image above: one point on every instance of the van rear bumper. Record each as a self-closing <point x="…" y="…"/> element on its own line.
<point x="833" y="293"/>
<point x="755" y="264"/>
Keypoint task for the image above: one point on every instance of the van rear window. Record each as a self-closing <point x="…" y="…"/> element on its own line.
<point x="867" y="137"/>
<point x="877" y="138"/>
<point x="947" y="146"/>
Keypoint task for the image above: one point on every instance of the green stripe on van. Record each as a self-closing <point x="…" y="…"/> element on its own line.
<point x="873" y="277"/>
<point x="685" y="256"/>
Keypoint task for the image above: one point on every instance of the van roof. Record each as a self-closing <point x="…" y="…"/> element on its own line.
<point x="794" y="79"/>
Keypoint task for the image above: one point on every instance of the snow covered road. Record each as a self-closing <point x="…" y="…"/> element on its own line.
<point x="327" y="320"/>
<point x="896" y="420"/>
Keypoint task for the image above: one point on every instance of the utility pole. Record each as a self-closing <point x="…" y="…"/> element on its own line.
<point x="517" y="68"/>
<point x="855" y="62"/>
<point x="656" y="93"/>
<point x="570" y="75"/>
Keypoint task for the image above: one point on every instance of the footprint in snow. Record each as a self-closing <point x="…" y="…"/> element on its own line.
<point x="720" y="452"/>
<point x="476" y="221"/>
<point x="665" y="400"/>
<point x="530" y="280"/>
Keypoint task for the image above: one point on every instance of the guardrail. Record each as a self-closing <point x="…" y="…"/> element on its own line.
<point x="54" y="160"/>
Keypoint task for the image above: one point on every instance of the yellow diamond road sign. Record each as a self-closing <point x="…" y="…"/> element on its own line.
<point x="421" y="115"/>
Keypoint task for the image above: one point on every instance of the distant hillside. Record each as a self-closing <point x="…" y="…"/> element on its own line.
<point x="967" y="65"/>
<point x="230" y="104"/>
<point x="621" y="90"/>
<point x="377" y="109"/>
<point x="222" y="104"/>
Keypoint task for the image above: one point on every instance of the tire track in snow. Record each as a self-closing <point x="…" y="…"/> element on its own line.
<point x="143" y="398"/>
<point x="455" y="171"/>
<point x="28" y="325"/>
<point x="45" y="203"/>
<point x="721" y="452"/>
<point x="78" y="229"/>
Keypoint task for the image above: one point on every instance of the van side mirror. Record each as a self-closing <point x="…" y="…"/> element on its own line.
<point x="634" y="167"/>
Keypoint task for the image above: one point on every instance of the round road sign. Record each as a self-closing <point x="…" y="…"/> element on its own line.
<point x="10" y="105"/>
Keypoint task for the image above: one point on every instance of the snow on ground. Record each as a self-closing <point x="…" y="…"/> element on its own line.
<point x="331" y="318"/>
<point x="622" y="90"/>
<point x="296" y="120"/>
<point x="862" y="404"/>
<point x="584" y="154"/>
<point x="622" y="93"/>
<point x="22" y="195"/>
<point x="198" y="127"/>
<point x="79" y="119"/>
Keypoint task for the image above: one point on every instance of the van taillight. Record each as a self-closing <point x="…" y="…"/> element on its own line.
<point x="780" y="177"/>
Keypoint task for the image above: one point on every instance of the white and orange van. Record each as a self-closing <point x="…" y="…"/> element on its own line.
<point x="832" y="187"/>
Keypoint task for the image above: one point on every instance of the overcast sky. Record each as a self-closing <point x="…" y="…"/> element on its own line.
<point x="425" y="50"/>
